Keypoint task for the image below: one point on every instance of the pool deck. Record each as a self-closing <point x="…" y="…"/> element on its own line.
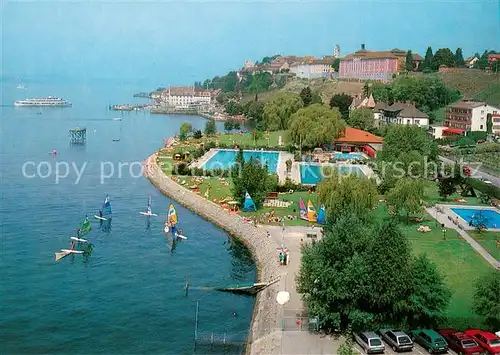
<point x="296" y="176"/>
<point x="465" y="224"/>
<point x="280" y="166"/>
<point x="444" y="215"/>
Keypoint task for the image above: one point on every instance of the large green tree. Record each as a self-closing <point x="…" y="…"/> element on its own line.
<point x="361" y="118"/>
<point x="409" y="61"/>
<point x="251" y="176"/>
<point x="315" y="125"/>
<point x="184" y="130"/>
<point x="443" y="56"/>
<point x="255" y="114"/>
<point x="459" y="58"/>
<point x="429" y="295"/>
<point x="210" y="128"/>
<point x="279" y="108"/>
<point x="342" y="102"/>
<point x="406" y="196"/>
<point x="427" y="64"/>
<point x="487" y="299"/>
<point x="306" y="96"/>
<point x="346" y="193"/>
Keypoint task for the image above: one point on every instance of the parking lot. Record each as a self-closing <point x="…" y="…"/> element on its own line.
<point x="417" y="350"/>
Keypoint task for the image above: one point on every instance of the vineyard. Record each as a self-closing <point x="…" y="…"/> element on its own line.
<point x="487" y="155"/>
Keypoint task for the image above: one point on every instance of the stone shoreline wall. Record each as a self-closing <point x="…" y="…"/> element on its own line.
<point x="264" y="336"/>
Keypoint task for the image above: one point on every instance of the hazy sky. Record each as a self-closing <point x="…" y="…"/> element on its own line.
<point x="179" y="42"/>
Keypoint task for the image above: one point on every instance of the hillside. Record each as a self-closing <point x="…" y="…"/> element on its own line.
<point x="474" y="84"/>
<point x="325" y="87"/>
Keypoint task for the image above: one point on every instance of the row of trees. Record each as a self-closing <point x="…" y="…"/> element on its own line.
<point x="187" y="130"/>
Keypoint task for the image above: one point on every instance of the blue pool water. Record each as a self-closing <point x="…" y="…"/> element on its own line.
<point x="224" y="159"/>
<point x="492" y="217"/>
<point x="311" y="174"/>
<point x="345" y="156"/>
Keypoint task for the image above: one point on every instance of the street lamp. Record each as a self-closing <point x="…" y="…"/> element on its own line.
<point x="444" y="231"/>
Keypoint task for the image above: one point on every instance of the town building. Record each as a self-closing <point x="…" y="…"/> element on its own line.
<point x="248" y="64"/>
<point x="468" y="115"/>
<point x="357" y="140"/>
<point x="381" y="65"/>
<point x="400" y="113"/>
<point x="469" y="62"/>
<point x="360" y="102"/>
<point x="495" y="117"/>
<point x="186" y="96"/>
<point x="313" y="68"/>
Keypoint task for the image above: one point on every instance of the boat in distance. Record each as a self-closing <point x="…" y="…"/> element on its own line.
<point x="48" y="101"/>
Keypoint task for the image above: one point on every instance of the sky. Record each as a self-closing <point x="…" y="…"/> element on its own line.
<point x="179" y="42"/>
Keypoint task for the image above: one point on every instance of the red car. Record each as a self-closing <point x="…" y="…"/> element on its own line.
<point x="460" y="342"/>
<point x="488" y="341"/>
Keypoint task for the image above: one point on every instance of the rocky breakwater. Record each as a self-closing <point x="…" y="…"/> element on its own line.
<point x="264" y="337"/>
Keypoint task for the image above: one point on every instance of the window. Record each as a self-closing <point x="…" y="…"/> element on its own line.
<point x="417" y="122"/>
<point x="481" y="127"/>
<point x="482" y="112"/>
<point x="375" y="342"/>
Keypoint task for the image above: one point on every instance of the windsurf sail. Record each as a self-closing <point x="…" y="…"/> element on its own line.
<point x="85" y="227"/>
<point x="311" y="212"/>
<point x="148" y="210"/>
<point x="322" y="215"/>
<point x="172" y="216"/>
<point x="249" y="205"/>
<point x="106" y="207"/>
<point x="302" y="210"/>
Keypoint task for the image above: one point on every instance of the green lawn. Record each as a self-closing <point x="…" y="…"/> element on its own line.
<point x="455" y="259"/>
<point x="270" y="140"/>
<point x="432" y="197"/>
<point x="488" y="241"/>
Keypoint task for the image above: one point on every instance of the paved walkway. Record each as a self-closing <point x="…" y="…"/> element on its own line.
<point x="443" y="219"/>
<point x="477" y="174"/>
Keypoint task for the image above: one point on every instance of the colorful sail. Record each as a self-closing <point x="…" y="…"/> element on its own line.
<point x="249" y="205"/>
<point x="311" y="212"/>
<point x="106" y="208"/>
<point x="322" y="215"/>
<point x="172" y="215"/>
<point x="302" y="210"/>
<point x="85" y="227"/>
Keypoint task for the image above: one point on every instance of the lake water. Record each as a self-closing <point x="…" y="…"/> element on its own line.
<point x="128" y="295"/>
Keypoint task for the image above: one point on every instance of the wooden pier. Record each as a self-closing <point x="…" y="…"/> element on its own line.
<point x="78" y="135"/>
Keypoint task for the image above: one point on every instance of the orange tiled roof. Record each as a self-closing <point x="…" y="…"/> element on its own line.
<point x="354" y="135"/>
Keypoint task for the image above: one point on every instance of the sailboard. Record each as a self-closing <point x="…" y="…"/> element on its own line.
<point x="148" y="212"/>
<point x="106" y="210"/>
<point x="171" y="223"/>
<point x="312" y="216"/>
<point x="80" y="240"/>
<point x="65" y="252"/>
<point x="302" y="210"/>
<point x="85" y="227"/>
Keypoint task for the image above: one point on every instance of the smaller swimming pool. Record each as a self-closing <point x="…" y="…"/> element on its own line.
<point x="492" y="217"/>
<point x="312" y="174"/>
<point x="225" y="159"/>
<point x="347" y="156"/>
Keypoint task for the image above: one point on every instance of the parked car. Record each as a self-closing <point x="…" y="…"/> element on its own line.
<point x="461" y="342"/>
<point x="488" y="341"/>
<point x="430" y="340"/>
<point x="370" y="342"/>
<point x="397" y="340"/>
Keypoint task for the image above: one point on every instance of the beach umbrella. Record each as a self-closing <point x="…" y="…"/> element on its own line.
<point x="283" y="297"/>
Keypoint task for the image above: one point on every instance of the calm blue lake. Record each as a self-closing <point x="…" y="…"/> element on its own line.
<point x="128" y="296"/>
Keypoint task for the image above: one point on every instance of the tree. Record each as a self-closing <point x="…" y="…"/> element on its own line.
<point x="336" y="64"/>
<point x="347" y="348"/>
<point x="429" y="295"/>
<point x="406" y="138"/>
<point x="228" y="125"/>
<point x="409" y="61"/>
<point x="486" y="298"/>
<point x="479" y="221"/>
<point x="332" y="271"/>
<point x="236" y="125"/>
<point x="279" y="108"/>
<point x="315" y="125"/>
<point x="185" y="129"/>
<point x="342" y="102"/>
<point x="482" y="63"/>
<point x="459" y="58"/>
<point x="366" y="89"/>
<point x="406" y="196"/>
<point x="428" y="60"/>
<point x="255" y="115"/>
<point x="197" y="134"/>
<point x="443" y="56"/>
<point x="316" y="99"/>
<point x="251" y="176"/>
<point x="210" y="128"/>
<point x="306" y="96"/>
<point x="446" y="187"/>
<point x="489" y="123"/>
<point x="346" y="194"/>
<point x="361" y="118"/>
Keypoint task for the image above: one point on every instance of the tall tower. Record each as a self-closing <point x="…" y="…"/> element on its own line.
<point x="336" y="51"/>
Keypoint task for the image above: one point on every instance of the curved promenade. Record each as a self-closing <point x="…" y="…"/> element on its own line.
<point x="264" y="336"/>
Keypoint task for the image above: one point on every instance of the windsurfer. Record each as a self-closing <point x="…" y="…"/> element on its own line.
<point x="100" y="213"/>
<point x="78" y="232"/>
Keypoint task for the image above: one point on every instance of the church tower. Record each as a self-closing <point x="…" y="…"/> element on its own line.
<point x="336" y="51"/>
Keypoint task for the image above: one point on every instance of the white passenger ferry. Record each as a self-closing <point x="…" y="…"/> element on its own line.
<point x="43" y="101"/>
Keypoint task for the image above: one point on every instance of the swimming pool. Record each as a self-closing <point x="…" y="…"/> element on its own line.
<point x="225" y="158"/>
<point x="492" y="217"/>
<point x="346" y="156"/>
<point x="311" y="174"/>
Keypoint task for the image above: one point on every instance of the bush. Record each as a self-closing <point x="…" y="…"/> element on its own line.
<point x="197" y="134"/>
<point x="290" y="185"/>
<point x="488" y="189"/>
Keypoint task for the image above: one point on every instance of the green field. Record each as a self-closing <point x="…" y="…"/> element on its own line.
<point x="431" y="197"/>
<point x="490" y="94"/>
<point x="488" y="241"/>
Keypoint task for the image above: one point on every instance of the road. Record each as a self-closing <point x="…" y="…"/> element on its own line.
<point x="480" y="175"/>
